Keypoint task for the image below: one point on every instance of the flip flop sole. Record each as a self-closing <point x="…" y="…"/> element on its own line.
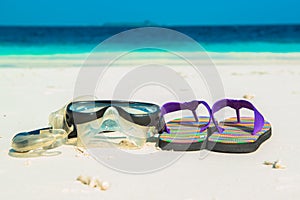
<point x="184" y="135"/>
<point x="237" y="137"/>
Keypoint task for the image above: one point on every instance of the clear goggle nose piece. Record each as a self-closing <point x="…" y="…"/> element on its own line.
<point x="110" y="121"/>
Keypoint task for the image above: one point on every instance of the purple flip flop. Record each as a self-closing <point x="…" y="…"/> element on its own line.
<point x="186" y="133"/>
<point x="238" y="134"/>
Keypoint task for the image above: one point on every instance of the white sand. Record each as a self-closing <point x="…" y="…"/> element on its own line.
<point x="30" y="93"/>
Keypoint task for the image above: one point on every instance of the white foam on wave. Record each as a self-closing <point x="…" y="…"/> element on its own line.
<point x="141" y="58"/>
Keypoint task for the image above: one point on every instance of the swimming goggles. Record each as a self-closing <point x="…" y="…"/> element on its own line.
<point x="95" y="123"/>
<point x="103" y="123"/>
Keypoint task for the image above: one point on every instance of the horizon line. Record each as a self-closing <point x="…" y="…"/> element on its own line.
<point x="145" y="25"/>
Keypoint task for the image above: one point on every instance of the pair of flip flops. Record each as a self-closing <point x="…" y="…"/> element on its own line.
<point x="232" y="135"/>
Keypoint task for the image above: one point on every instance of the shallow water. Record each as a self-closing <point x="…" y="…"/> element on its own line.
<point x="74" y="40"/>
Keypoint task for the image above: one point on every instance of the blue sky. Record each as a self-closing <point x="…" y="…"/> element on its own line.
<point x="97" y="12"/>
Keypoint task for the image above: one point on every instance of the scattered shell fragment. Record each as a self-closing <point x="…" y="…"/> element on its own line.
<point x="81" y="151"/>
<point x="86" y="180"/>
<point x="275" y="165"/>
<point x="128" y="144"/>
<point x="104" y="185"/>
<point x="268" y="163"/>
<point x="93" y="182"/>
<point x="248" y="96"/>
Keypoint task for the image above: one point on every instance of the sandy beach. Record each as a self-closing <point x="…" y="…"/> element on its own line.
<point x="34" y="86"/>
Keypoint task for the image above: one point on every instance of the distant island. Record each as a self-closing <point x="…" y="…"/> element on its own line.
<point x="129" y="24"/>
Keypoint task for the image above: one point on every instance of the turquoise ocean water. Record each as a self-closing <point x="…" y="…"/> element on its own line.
<point x="74" y="40"/>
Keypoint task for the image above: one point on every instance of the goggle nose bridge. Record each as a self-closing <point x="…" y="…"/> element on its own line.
<point x="110" y="120"/>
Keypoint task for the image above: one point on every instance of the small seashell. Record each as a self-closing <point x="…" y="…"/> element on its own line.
<point x="104" y="185"/>
<point x="80" y="150"/>
<point x="248" y="96"/>
<point x="84" y="179"/>
<point x="276" y="165"/>
<point x="98" y="183"/>
<point x="94" y="183"/>
<point x="127" y="144"/>
<point x="268" y="163"/>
